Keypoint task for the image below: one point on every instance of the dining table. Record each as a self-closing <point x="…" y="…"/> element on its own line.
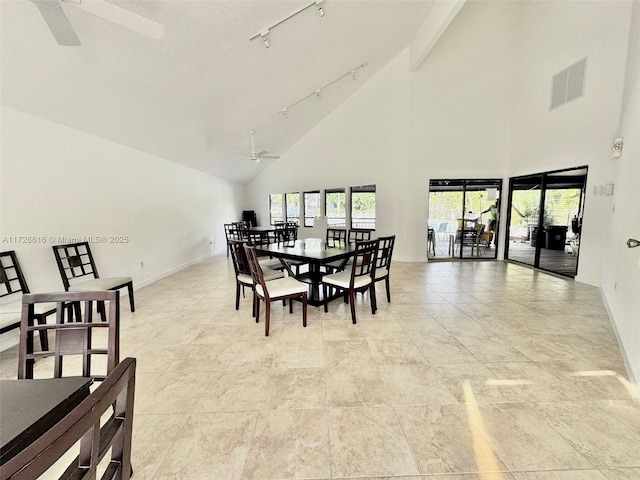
<point x="315" y="252"/>
<point x="28" y="408"/>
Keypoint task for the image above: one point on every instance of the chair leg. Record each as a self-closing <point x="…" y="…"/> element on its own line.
<point x="290" y="306"/>
<point x="102" y="311"/>
<point x="386" y="282"/>
<point x="257" y="308"/>
<point x="326" y="298"/>
<point x="352" y="296"/>
<point x="267" y="312"/>
<point x="132" y="303"/>
<point x="374" y="301"/>
<point x="237" y="296"/>
<point x="304" y="309"/>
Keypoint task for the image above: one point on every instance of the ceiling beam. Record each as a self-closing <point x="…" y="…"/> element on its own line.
<point x="438" y="19"/>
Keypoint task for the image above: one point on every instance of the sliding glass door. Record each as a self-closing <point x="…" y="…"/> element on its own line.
<point x="545" y="215"/>
<point x="463" y="218"/>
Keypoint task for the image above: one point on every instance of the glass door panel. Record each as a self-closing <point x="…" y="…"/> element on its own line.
<point x="523" y="228"/>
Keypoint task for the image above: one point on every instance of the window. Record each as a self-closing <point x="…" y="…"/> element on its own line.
<point x="363" y="207"/>
<point x="292" y="202"/>
<point x="311" y="207"/>
<point x="334" y="201"/>
<point x="275" y="208"/>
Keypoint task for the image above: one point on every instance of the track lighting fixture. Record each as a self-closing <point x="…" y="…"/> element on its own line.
<point x="317" y="91"/>
<point x="263" y="33"/>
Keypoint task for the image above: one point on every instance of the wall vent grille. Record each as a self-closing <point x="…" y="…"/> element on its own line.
<point x="568" y="84"/>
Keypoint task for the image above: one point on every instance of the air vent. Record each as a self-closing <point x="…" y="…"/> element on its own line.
<point x="568" y="84"/>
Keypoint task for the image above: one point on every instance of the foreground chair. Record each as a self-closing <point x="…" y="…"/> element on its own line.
<point x="383" y="262"/>
<point x="287" y="288"/>
<point x="358" y="278"/>
<point x="75" y="261"/>
<point x="12" y="286"/>
<point x="83" y="424"/>
<point x="80" y="337"/>
<point x="243" y="272"/>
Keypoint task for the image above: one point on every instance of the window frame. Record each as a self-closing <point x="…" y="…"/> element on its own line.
<point x="356" y="190"/>
<point x="304" y="208"/>
<point x="295" y="219"/>
<point x="327" y="210"/>
<point x="273" y="219"/>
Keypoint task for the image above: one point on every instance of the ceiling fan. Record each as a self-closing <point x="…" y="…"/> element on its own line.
<point x="256" y="156"/>
<point x="62" y="30"/>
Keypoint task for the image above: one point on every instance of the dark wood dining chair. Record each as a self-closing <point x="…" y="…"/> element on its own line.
<point x="243" y="272"/>
<point x="12" y="286"/>
<point x="335" y="235"/>
<point x="359" y="278"/>
<point x="287" y="288"/>
<point x="79" y="272"/>
<point x="359" y="234"/>
<point x="83" y="424"/>
<point x="383" y="262"/>
<point x="82" y="337"/>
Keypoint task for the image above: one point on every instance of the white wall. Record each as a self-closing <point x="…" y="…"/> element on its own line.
<point x="621" y="278"/>
<point x="550" y="37"/>
<point x="363" y="142"/>
<point x="461" y="99"/>
<point x="60" y="182"/>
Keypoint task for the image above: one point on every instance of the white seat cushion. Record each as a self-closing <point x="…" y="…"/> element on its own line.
<point x="246" y="279"/>
<point x="272" y="263"/>
<point x="343" y="279"/>
<point x="381" y="273"/>
<point x="11" y="313"/>
<point x="267" y="274"/>
<point x="283" y="286"/>
<point x="99" y="284"/>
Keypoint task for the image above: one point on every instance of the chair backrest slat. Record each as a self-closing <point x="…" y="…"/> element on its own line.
<point x="79" y="337"/>
<point x="364" y="260"/>
<point x="336" y="235"/>
<point x="74" y="260"/>
<point x="385" y="251"/>
<point x="357" y="235"/>
<point x="11" y="278"/>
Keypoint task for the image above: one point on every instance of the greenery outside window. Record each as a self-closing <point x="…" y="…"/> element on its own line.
<point x="275" y="208"/>
<point x="363" y="207"/>
<point x="334" y="200"/>
<point x="311" y="207"/>
<point x="292" y="202"/>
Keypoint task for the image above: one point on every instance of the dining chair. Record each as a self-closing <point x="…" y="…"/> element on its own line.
<point x="83" y="337"/>
<point x="359" y="234"/>
<point x="79" y="273"/>
<point x="83" y="425"/>
<point x="243" y="272"/>
<point x="335" y="235"/>
<point x="442" y="231"/>
<point x="287" y="288"/>
<point x="359" y="278"/>
<point x="258" y="239"/>
<point x="12" y="286"/>
<point x="431" y="241"/>
<point x="383" y="262"/>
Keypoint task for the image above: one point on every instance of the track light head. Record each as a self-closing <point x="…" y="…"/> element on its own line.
<point x="321" y="12"/>
<point x="284" y="113"/>
<point x="263" y="35"/>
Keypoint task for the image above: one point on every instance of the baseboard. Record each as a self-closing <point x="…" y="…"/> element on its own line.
<point x="627" y="364"/>
<point x="587" y="281"/>
<point x="155" y="278"/>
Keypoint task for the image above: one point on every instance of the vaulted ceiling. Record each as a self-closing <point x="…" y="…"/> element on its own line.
<point x="192" y="96"/>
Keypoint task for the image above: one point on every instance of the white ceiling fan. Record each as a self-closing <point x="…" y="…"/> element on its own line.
<point x="62" y="30"/>
<point x="256" y="156"/>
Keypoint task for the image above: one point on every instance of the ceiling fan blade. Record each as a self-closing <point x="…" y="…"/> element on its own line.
<point x="122" y="17"/>
<point x="262" y="153"/>
<point x="59" y="25"/>
<point x="269" y="156"/>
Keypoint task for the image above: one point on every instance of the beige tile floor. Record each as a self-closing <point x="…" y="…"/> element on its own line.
<point x="475" y="371"/>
